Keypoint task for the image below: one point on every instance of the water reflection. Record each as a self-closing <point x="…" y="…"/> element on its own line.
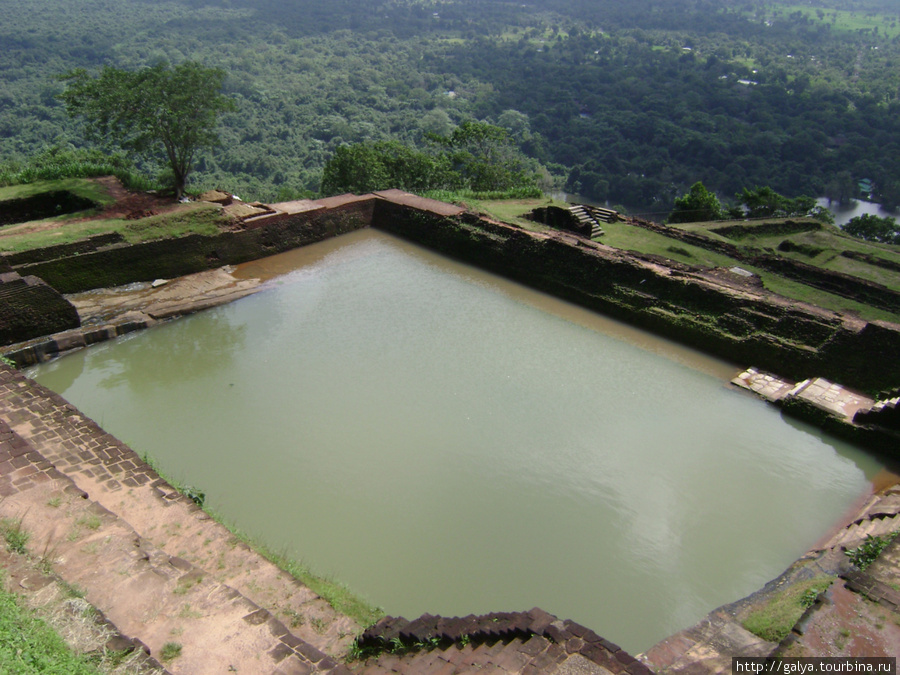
<point x="177" y="351"/>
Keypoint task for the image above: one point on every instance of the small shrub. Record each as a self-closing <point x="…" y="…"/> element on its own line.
<point x="679" y="251"/>
<point x="196" y="495"/>
<point x="16" y="538"/>
<point x="170" y="651"/>
<point x="867" y="552"/>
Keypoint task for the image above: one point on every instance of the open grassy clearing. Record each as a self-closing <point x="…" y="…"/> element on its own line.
<point x="82" y="187"/>
<point x="847" y="20"/>
<point x="198" y="218"/>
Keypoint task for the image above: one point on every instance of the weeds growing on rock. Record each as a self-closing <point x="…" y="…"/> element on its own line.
<point x="867" y="552"/>
<point x="15" y="536"/>
<point x="170" y="651"/>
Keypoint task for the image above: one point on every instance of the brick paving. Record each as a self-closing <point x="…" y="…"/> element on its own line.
<point x="153" y="595"/>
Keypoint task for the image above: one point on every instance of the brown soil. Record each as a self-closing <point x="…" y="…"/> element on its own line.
<point x="128" y="205"/>
<point x="848" y="624"/>
<point x="131" y="205"/>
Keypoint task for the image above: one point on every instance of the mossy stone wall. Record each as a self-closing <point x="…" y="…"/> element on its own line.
<point x="791" y="340"/>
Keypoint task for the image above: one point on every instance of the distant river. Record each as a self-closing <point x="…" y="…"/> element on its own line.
<point x="858" y="207"/>
<point x="445" y="441"/>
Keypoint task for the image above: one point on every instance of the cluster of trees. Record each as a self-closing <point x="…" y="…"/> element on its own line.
<point x="476" y="157"/>
<point x="874" y="228"/>
<point x="626" y="102"/>
<point x="699" y="204"/>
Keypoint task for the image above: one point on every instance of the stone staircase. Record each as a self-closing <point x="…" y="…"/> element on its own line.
<point x="885" y="412"/>
<point x="879" y="517"/>
<point x="508" y="642"/>
<point x="588" y="218"/>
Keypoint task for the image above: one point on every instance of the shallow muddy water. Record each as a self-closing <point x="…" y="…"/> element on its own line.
<point x="445" y="441"/>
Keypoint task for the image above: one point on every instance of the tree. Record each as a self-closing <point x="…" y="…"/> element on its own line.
<point x="161" y="109"/>
<point x="762" y="202"/>
<point x="367" y="167"/>
<point x="697" y="205"/>
<point x="874" y="228"/>
<point x="484" y="157"/>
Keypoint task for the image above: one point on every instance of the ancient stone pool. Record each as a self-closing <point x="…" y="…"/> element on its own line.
<point x="445" y="441"/>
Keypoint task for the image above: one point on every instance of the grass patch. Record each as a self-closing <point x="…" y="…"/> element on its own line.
<point x="200" y="218"/>
<point x="513" y="210"/>
<point x="28" y="645"/>
<point x="14" y="535"/>
<point x="170" y="651"/>
<point x="334" y="593"/>
<point x="90" y="521"/>
<point x="774" y="621"/>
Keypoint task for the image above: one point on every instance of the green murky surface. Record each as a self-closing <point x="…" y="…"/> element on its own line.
<point x="445" y="441"/>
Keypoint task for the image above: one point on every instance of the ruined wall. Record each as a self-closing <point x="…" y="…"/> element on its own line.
<point x="118" y="265"/>
<point x="741" y="326"/>
<point x="838" y="283"/>
<point x="747" y="326"/>
<point x="30" y="308"/>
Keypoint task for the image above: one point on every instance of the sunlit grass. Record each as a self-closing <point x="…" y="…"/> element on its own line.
<point x="205" y="219"/>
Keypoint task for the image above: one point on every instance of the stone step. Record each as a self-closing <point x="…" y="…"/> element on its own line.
<point x="149" y="509"/>
<point x="82" y="542"/>
<point x="501" y="642"/>
<point x="854" y="535"/>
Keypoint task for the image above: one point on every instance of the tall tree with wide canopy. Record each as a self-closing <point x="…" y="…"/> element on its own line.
<point x="697" y="205"/>
<point x="162" y="109"/>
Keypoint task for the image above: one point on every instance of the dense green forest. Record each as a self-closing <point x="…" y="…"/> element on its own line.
<point x="627" y="102"/>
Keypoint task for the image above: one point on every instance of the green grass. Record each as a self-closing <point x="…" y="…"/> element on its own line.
<point x="200" y="218"/>
<point x="82" y="187"/>
<point x="170" y="651"/>
<point x="14" y="535"/>
<point x="775" y="620"/>
<point x="637" y="239"/>
<point x="631" y="238"/>
<point x="513" y="210"/>
<point x="28" y="645"/>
